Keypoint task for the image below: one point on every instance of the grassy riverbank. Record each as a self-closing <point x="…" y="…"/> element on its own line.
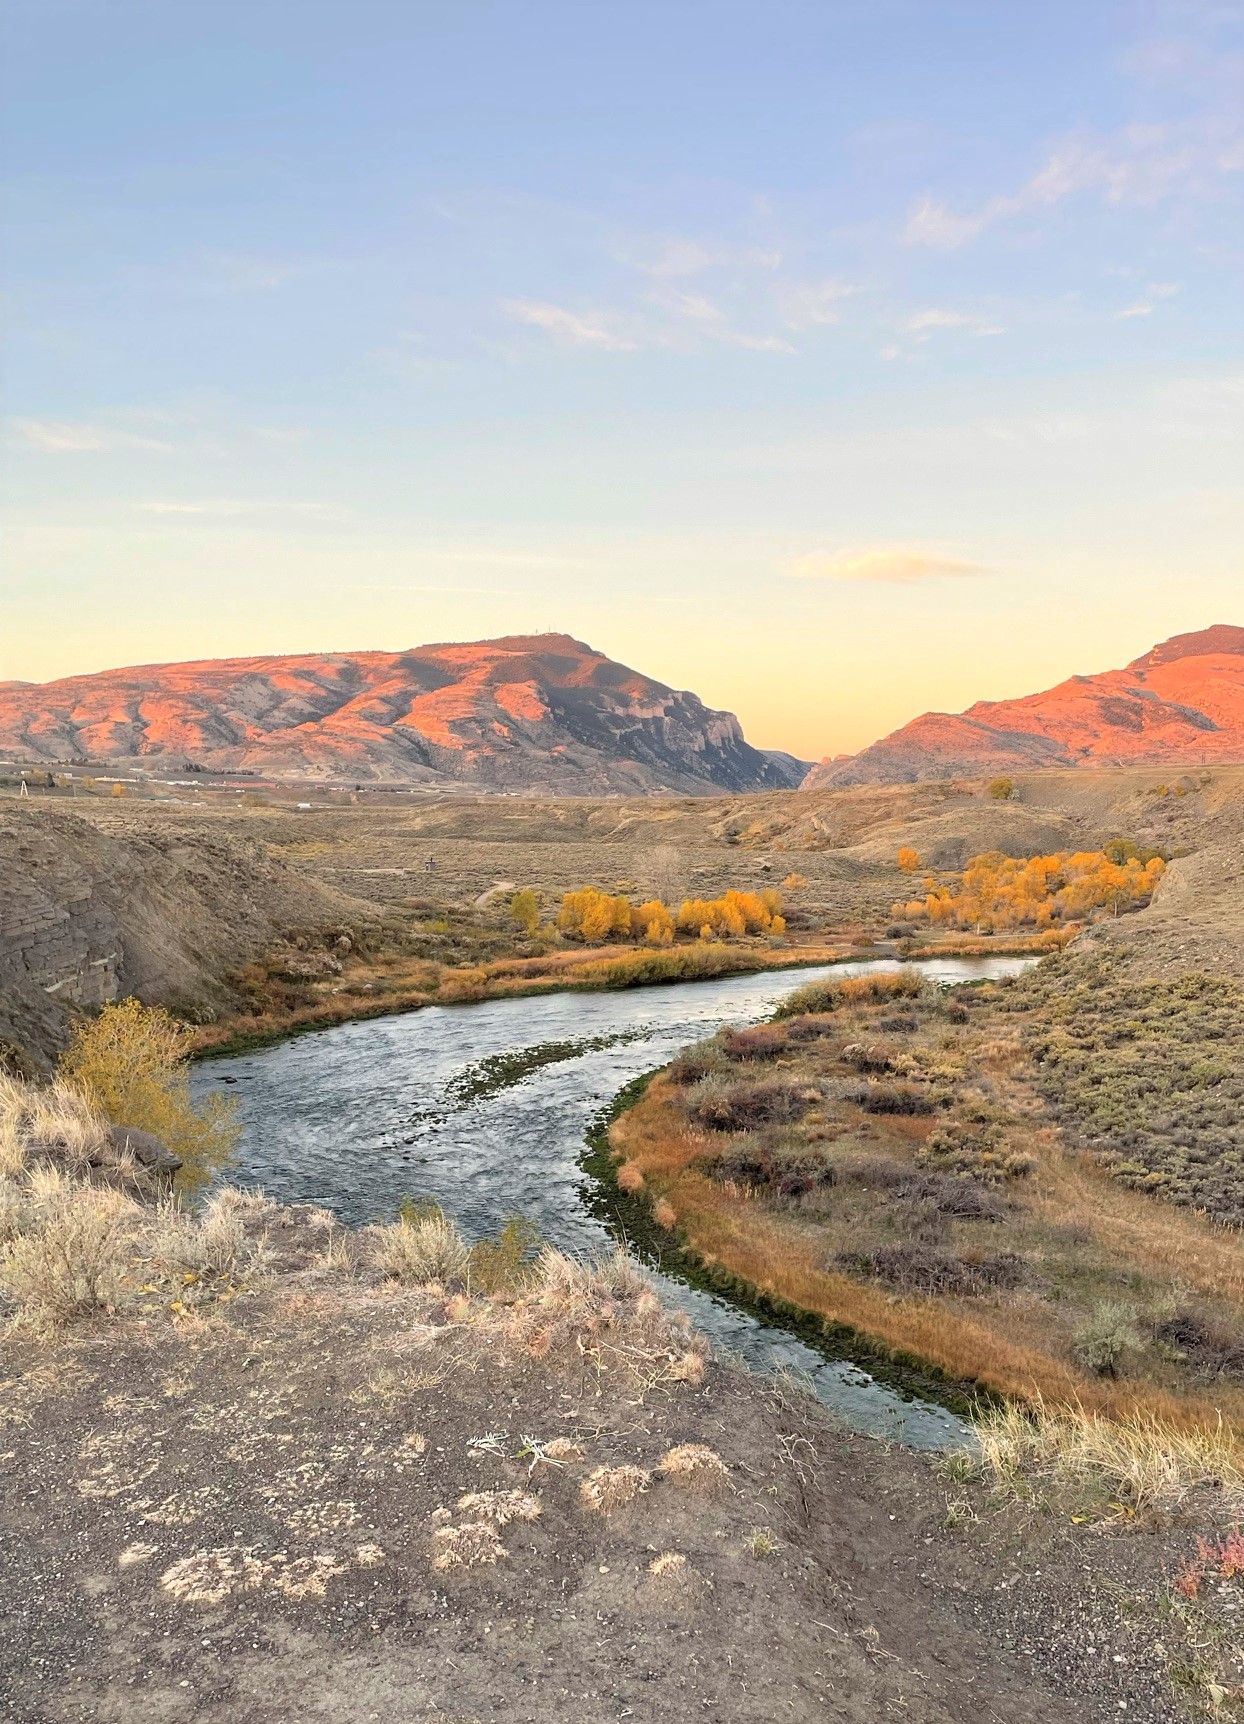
<point x="881" y="1160"/>
<point x="376" y="987"/>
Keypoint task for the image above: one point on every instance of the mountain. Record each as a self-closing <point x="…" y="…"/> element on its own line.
<point x="527" y="712"/>
<point x="1178" y="705"/>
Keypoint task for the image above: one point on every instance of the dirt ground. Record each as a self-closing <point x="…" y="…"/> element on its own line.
<point x="289" y="1458"/>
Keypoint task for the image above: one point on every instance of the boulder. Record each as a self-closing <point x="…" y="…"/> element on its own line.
<point x="146" y="1149"/>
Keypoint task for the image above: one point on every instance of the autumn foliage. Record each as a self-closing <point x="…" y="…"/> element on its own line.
<point x="997" y="891"/>
<point x="598" y="918"/>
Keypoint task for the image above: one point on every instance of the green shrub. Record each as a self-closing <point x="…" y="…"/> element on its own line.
<point x="1106" y="1337"/>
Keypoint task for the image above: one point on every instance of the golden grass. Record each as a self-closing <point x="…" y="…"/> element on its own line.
<point x="1140" y="1458"/>
<point x="694" y="1465"/>
<point x="764" y="1250"/>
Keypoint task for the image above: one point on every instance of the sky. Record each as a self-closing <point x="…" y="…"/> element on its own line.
<point x="836" y="359"/>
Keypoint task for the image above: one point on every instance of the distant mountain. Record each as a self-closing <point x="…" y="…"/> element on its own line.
<point x="1182" y="703"/>
<point x="527" y="712"/>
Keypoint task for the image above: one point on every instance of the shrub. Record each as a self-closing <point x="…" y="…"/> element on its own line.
<point x="958" y="1199"/>
<point x="1208" y="1350"/>
<point x="830" y="995"/>
<point x="525" y="909"/>
<point x="423" y="1246"/>
<point x="764" y="1042"/>
<point x="776" y="1168"/>
<point x="723" y="1106"/>
<point x="130" y="1064"/>
<point x="211" y="1243"/>
<point x="694" y="1064"/>
<point x="504" y="1264"/>
<point x="922" y="1268"/>
<point x="73" y="1257"/>
<point x="1106" y="1337"/>
<point x="1124" y="1064"/>
<point x="891" y="1098"/>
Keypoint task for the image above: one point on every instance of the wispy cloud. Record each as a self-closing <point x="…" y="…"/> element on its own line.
<point x="711" y="321"/>
<point x="902" y="563"/>
<point x="924" y="323"/>
<point x="805" y="304"/>
<point x="1154" y="294"/>
<point x="579" y="329"/>
<point x="1140" y="165"/>
<point x="64" y="437"/>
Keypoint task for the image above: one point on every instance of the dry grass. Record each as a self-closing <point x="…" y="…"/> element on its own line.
<point x="785" y="1259"/>
<point x="501" y="1507"/>
<point x="466" y="1546"/>
<point x="607" y="1489"/>
<point x="76" y="1242"/>
<point x="53" y="1117"/>
<point x="602" y="1314"/>
<point x="71" y="1256"/>
<point x="1139" y="1458"/>
<point x="421" y="1248"/>
<point x="694" y="1465"/>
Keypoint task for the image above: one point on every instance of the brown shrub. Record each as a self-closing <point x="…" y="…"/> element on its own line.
<point x="743" y="1107"/>
<point x="921" y="1268"/>
<point x="891" y="1098"/>
<point x="763" y="1042"/>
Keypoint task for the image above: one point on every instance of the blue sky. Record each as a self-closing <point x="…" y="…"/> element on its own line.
<point x="834" y="360"/>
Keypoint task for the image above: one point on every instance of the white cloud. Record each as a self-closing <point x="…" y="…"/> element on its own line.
<point x="590" y="329"/>
<point x="61" y="437"/>
<point x="924" y="323"/>
<point x="1140" y="165"/>
<point x="1135" y="311"/>
<point x="808" y="303"/>
<point x="902" y="563"/>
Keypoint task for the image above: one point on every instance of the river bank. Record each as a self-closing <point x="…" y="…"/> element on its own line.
<point x="879" y="1161"/>
<point x="384" y="987"/>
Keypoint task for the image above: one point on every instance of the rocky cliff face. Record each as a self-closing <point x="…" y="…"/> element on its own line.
<point x="1181" y="704"/>
<point x="539" y="712"/>
<point x="87" y="916"/>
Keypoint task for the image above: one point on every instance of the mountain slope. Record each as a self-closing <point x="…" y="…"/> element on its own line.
<point x="526" y="712"/>
<point x="1182" y="703"/>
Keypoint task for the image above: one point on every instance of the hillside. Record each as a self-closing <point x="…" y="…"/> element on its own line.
<point x="1180" y="704"/>
<point x="526" y="713"/>
<point x="87" y="916"/>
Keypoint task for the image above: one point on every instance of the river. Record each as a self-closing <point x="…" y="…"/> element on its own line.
<point x="485" y="1108"/>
